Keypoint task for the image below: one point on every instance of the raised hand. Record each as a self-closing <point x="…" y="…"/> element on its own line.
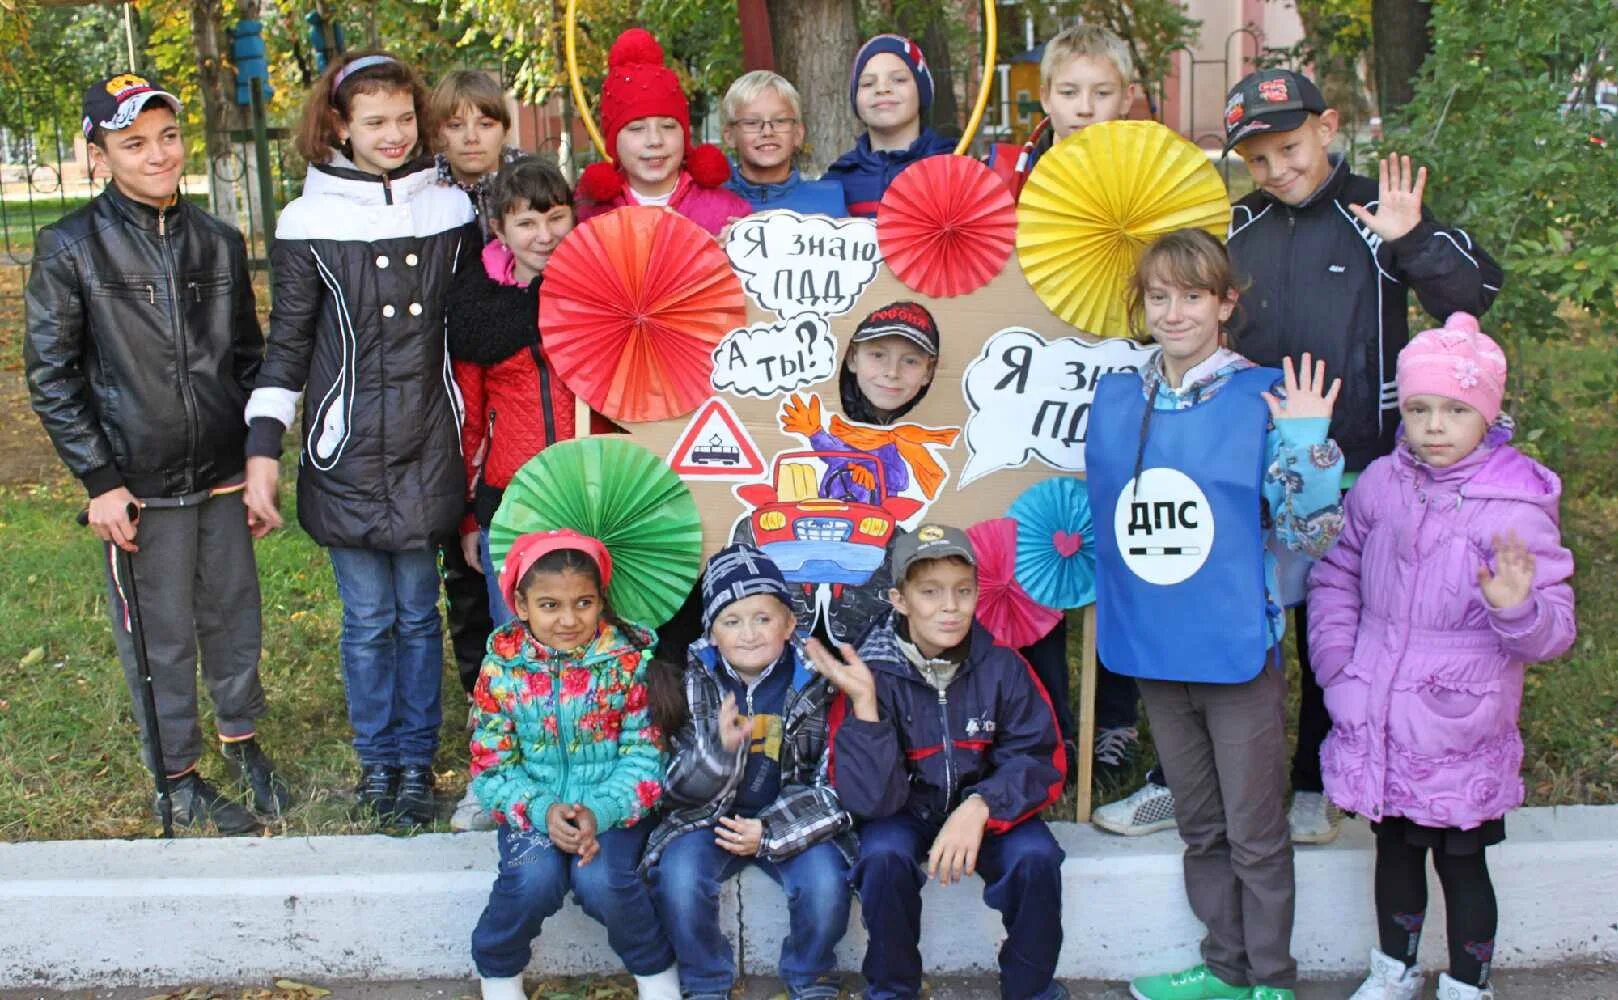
<point x="1305" y="389"/>
<point x="848" y="674"/>
<point x="799" y="417"/>
<point x="1513" y="577"/>
<point x="739" y="835"/>
<point x="734" y="727"/>
<point x="1398" y="208"/>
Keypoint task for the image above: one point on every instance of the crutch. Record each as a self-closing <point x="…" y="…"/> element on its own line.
<point x="124" y="576"/>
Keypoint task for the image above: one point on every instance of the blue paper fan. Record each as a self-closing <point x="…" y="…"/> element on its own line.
<point x="1056" y="556"/>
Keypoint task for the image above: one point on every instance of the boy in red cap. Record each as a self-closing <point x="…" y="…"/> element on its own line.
<point x="646" y="126"/>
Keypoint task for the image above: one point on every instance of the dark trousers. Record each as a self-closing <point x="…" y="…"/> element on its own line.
<point x="469" y="621"/>
<point x="1313" y="722"/>
<point x="1048" y="658"/>
<point x="198" y="589"/>
<point x="1022" y="878"/>
<point x="1224" y="748"/>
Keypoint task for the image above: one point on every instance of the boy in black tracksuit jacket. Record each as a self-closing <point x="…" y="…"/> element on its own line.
<point x="944" y="746"/>
<point x="1331" y="258"/>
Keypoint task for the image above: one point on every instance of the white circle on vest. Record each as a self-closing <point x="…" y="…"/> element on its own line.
<point x="1165" y="528"/>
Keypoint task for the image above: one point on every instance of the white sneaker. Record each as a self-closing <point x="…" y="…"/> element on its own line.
<point x="663" y="986"/>
<point x="505" y="988"/>
<point x="470" y="814"/>
<point x="1449" y="989"/>
<point x="1149" y="810"/>
<point x="1312" y="819"/>
<point x="1390" y="979"/>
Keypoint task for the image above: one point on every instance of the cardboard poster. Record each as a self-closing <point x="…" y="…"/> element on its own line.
<point x="767" y="359"/>
<point x="715" y="446"/>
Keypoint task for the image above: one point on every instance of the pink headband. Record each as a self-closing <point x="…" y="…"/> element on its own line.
<point x="363" y="62"/>
<point x="530" y="548"/>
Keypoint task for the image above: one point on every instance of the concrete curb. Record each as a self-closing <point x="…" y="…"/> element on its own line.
<point x="146" y="912"/>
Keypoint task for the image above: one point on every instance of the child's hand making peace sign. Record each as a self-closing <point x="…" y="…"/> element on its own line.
<point x="1305" y="391"/>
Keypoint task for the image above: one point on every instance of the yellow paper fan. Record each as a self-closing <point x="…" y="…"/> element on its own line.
<point x="1095" y="201"/>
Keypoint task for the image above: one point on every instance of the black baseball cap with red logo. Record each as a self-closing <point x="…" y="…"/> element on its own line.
<point x="909" y="320"/>
<point x="1271" y="100"/>
<point x="115" y="103"/>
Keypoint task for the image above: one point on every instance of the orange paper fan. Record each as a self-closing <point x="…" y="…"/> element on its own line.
<point x="633" y="304"/>
<point x="946" y="226"/>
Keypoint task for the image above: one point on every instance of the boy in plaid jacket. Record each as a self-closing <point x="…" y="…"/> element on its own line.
<point x="748" y="782"/>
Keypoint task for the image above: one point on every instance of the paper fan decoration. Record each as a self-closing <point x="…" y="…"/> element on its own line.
<point x="1004" y="607"/>
<point x="1056" y="560"/>
<point x="1094" y="202"/>
<point x="633" y="304"/>
<point x="946" y="226"/>
<point x="623" y="495"/>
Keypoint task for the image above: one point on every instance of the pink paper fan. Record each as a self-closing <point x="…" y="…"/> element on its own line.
<point x="1004" y="608"/>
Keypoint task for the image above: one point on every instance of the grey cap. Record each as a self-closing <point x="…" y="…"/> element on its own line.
<point x="930" y="541"/>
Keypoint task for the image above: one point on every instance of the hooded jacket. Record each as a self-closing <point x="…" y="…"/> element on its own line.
<point x="141" y="345"/>
<point x="990" y="732"/>
<point x="1423" y="679"/>
<point x="1320" y="282"/>
<point x="865" y="173"/>
<point x="515" y="405"/>
<point x="552" y="726"/>
<point x="806" y="197"/>
<point x="702" y="777"/>
<point x="362" y="271"/>
<point x="712" y="208"/>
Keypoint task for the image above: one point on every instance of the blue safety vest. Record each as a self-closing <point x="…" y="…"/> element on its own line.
<point x="1180" y="591"/>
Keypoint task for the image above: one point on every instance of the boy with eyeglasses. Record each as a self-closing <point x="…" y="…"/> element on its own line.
<point x="764" y="125"/>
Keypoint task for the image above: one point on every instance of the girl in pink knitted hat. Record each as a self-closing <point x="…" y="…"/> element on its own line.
<point x="646" y="127"/>
<point x="1449" y="577"/>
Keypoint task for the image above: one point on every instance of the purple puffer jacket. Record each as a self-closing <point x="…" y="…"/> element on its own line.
<point x="1423" y="679"/>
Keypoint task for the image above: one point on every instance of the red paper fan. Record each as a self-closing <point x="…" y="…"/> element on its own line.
<point x="633" y="304"/>
<point x="946" y="226"/>
<point x="1004" y="608"/>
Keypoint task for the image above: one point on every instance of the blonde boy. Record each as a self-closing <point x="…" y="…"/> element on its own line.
<point x="1086" y="76"/>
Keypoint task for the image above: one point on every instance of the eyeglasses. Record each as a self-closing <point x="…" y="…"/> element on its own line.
<point x="753" y="126"/>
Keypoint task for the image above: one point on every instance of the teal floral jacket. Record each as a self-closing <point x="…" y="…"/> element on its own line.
<point x="568" y="727"/>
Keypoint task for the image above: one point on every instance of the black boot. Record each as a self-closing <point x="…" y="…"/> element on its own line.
<point x="379" y="783"/>
<point x="196" y="802"/>
<point x="416" y="804"/>
<point x="251" y="768"/>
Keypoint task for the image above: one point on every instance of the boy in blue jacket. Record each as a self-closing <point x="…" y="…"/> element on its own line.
<point x="891" y="89"/>
<point x="945" y="747"/>
<point x="764" y="126"/>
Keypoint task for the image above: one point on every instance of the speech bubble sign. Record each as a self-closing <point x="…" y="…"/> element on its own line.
<point x="1030" y="398"/>
<point x="791" y="263"/>
<point x="767" y="359"/>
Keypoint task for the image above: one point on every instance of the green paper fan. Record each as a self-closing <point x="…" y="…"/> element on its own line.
<point x="623" y="495"/>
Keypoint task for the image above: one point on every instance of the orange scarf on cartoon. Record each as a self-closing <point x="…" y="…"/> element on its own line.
<point x="911" y="440"/>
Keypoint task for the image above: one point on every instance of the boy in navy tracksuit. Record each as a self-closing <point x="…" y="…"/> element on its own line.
<point x="945" y="747"/>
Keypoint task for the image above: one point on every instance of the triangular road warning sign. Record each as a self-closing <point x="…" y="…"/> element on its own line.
<point x="715" y="446"/>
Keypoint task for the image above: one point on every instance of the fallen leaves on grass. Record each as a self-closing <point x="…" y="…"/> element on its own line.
<point x="285" y="989"/>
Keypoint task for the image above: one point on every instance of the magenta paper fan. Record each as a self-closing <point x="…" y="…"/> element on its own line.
<point x="1004" y="607"/>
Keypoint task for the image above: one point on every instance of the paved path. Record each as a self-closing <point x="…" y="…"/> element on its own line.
<point x="1592" y="983"/>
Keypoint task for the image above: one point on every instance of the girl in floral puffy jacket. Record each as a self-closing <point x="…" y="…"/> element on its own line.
<point x="566" y="759"/>
<point x="1449" y="577"/>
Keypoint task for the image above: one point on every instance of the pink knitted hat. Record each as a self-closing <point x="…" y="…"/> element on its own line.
<point x="1457" y="361"/>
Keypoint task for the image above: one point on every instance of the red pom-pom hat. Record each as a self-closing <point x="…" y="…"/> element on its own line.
<point x="640" y="85"/>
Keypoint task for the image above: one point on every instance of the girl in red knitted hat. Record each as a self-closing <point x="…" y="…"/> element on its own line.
<point x="646" y="126"/>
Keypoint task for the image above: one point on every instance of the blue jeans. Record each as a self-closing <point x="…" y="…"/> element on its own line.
<point x="1022" y="878"/>
<point x="535" y="878"/>
<point x="393" y="652"/>
<point x="499" y="612"/>
<point x="685" y="885"/>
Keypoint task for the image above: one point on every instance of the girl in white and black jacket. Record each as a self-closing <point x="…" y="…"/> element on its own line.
<point x="362" y="263"/>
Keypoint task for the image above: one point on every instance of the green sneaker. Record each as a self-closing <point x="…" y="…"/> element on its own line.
<point x="1269" y="993"/>
<point x="1195" y="983"/>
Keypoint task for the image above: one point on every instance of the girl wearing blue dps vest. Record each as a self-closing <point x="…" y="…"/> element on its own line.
<point x="1197" y="464"/>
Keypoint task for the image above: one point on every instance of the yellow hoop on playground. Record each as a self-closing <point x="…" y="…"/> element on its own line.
<point x="991" y="45"/>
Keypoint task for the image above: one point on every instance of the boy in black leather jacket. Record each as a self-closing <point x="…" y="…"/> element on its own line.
<point x="141" y="348"/>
